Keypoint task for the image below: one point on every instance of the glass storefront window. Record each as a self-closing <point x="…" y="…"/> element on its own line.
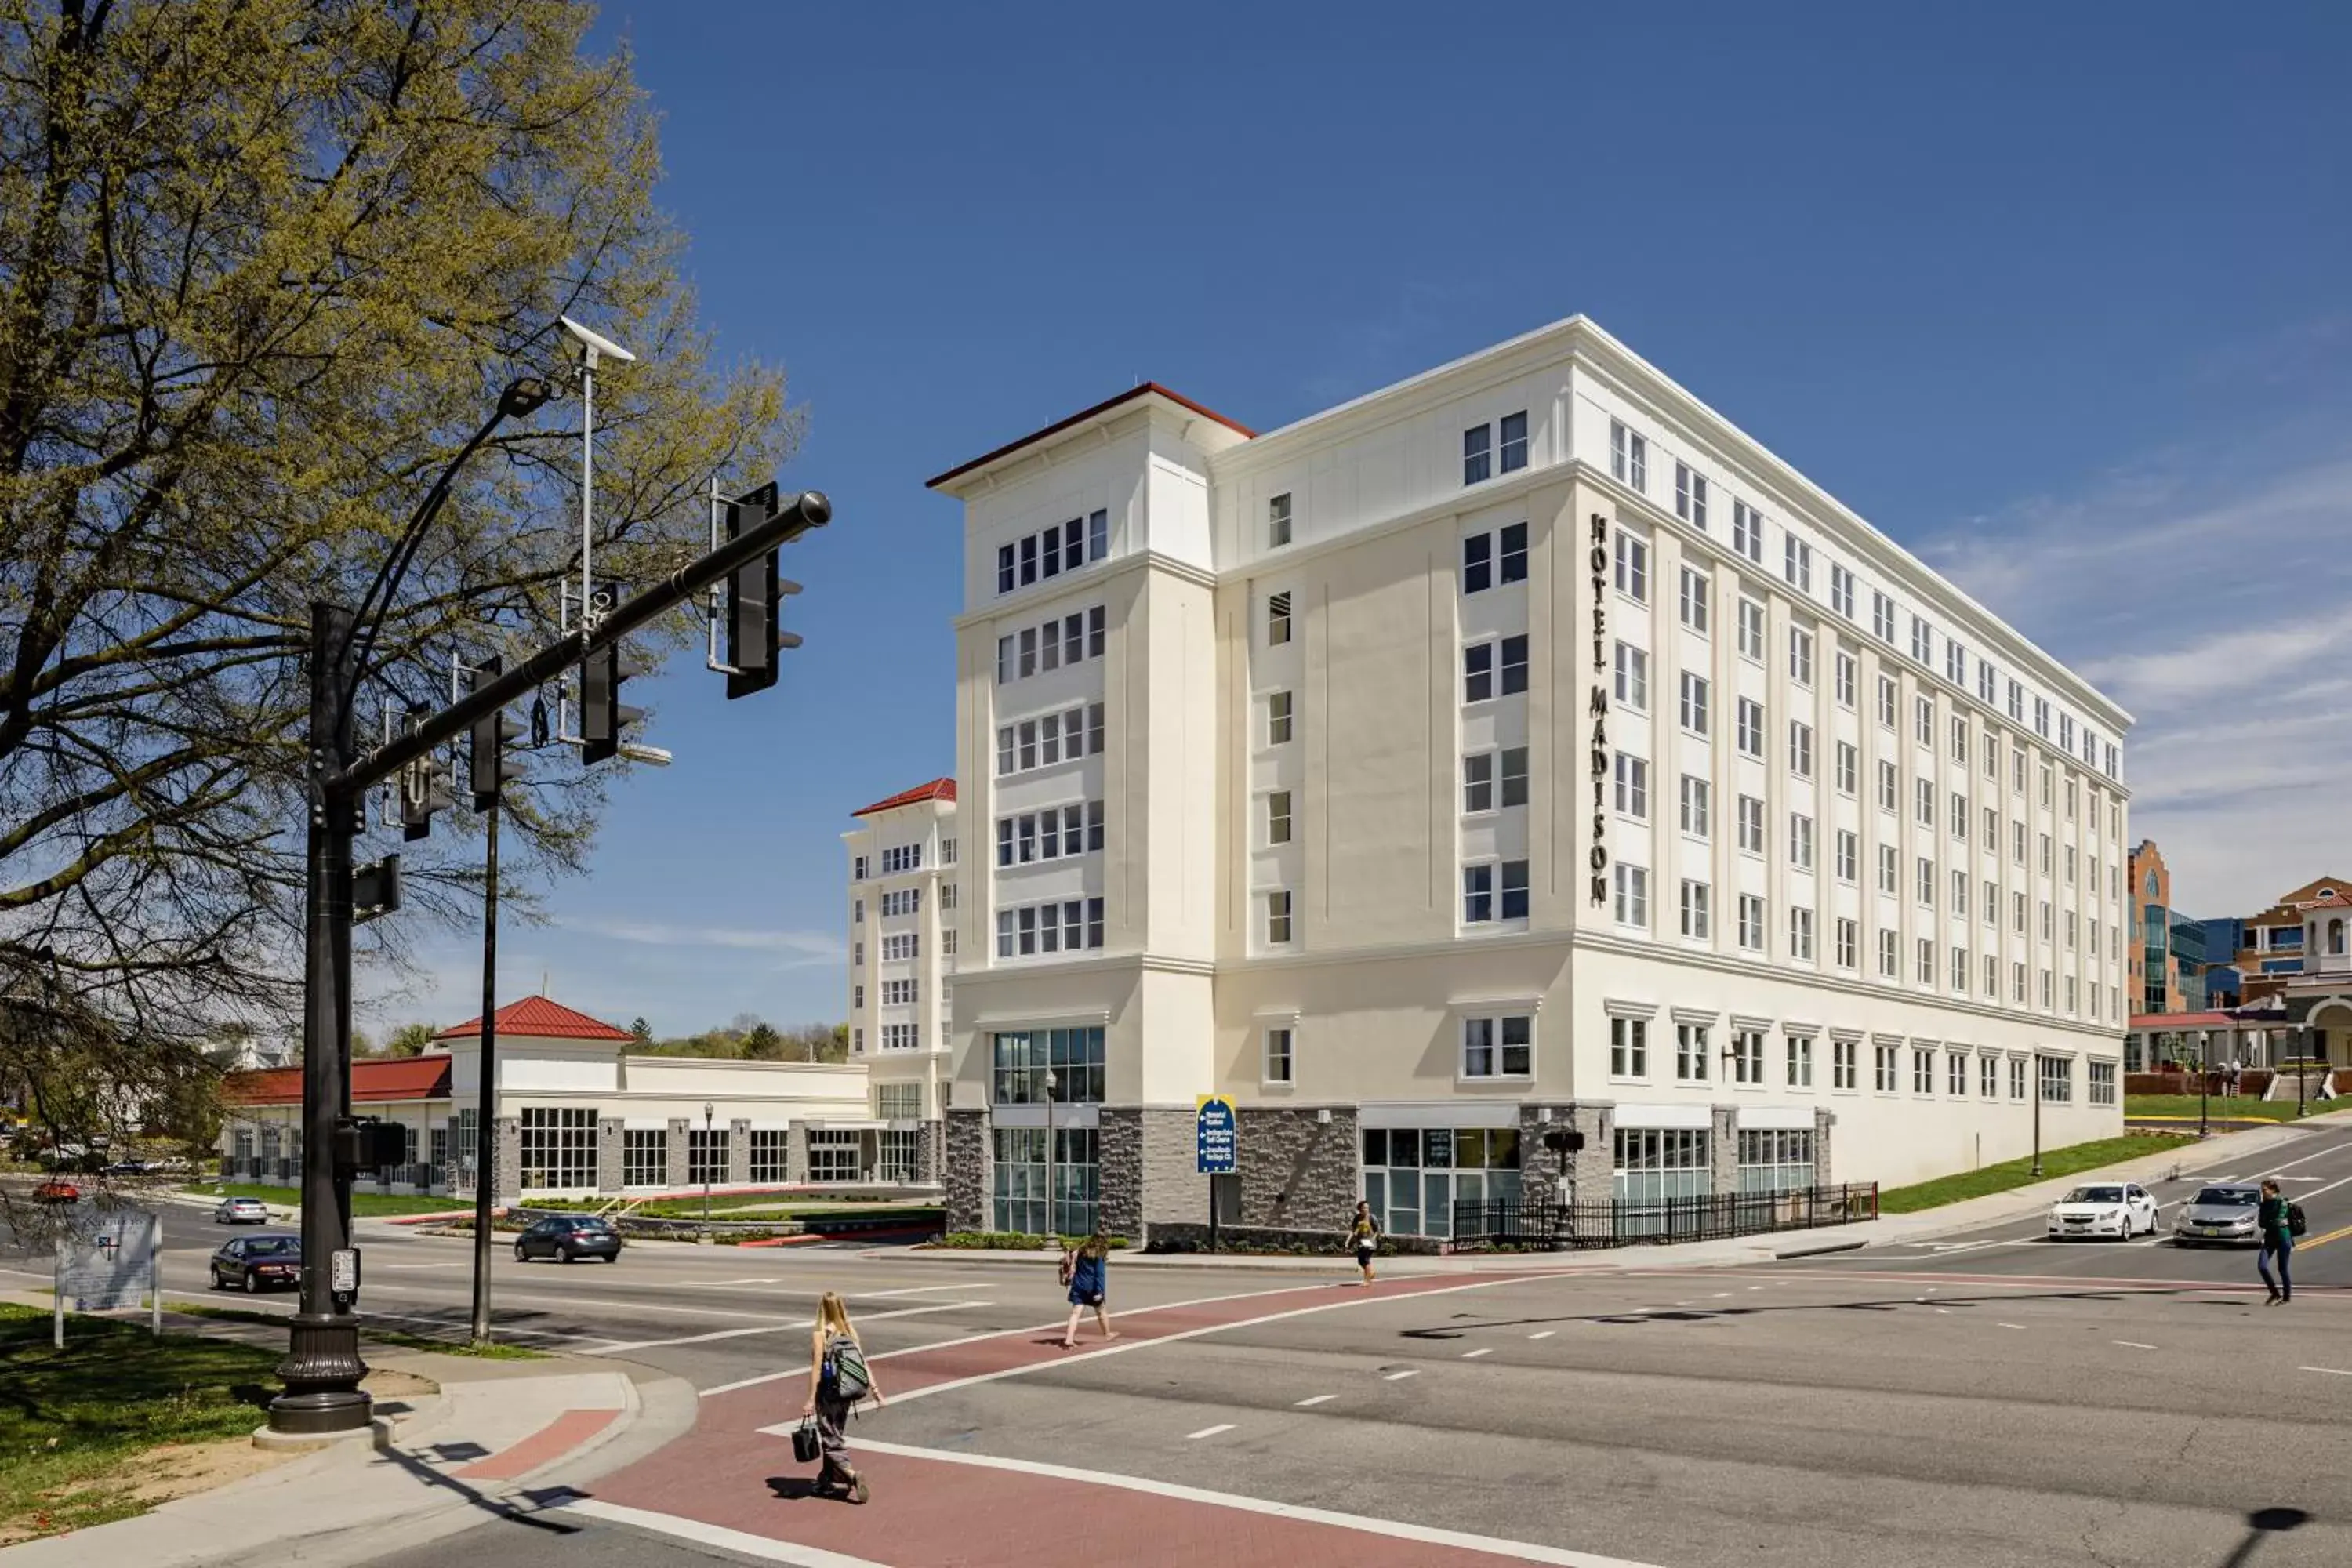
<point x="1413" y="1177"/>
<point x="1023" y="1057"/>
<point x="1023" y="1173"/>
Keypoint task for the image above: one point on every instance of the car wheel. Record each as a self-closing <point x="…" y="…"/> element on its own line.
<point x="565" y="1254"/>
<point x="218" y="1283"/>
<point x="253" y="1284"/>
<point x="522" y="1255"/>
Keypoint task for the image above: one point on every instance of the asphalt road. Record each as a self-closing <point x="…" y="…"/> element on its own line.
<point x="1984" y="1400"/>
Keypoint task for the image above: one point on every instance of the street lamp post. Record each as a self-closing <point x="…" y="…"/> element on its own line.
<point x="709" y="1145"/>
<point x="2037" y="1114"/>
<point x="2204" y="1075"/>
<point x="486" y="1089"/>
<point x="1053" y="1224"/>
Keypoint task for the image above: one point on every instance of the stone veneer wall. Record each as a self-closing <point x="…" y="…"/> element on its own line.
<point x="506" y="1133"/>
<point x="966" y="1177"/>
<point x="1299" y="1174"/>
<point x="1723" y="1151"/>
<point x="1821" y="1129"/>
<point x="796" y="1165"/>
<point x="738" y="1152"/>
<point x="1146" y="1172"/>
<point x="675" y="1155"/>
<point x="611" y="1164"/>
<point x="1595" y="1165"/>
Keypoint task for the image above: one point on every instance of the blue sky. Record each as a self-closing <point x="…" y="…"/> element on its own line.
<point x="2056" y="296"/>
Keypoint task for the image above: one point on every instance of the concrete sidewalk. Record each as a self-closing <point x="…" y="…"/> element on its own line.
<point x="2238" y="1153"/>
<point x="500" y="1440"/>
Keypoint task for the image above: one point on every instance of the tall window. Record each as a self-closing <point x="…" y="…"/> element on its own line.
<point x="1697" y="793"/>
<point x="1277" y="917"/>
<point x="1628" y="457"/>
<point x="1690" y="497"/>
<point x="1023" y="1058"/>
<point x="1633" y="568"/>
<point x="1633" y="887"/>
<point x="1628" y="1047"/>
<point x="1797" y="563"/>
<point x="771" y="1146"/>
<point x="1277" y="1056"/>
<point x="558" y="1146"/>
<point x="1514" y="452"/>
<point x="1693" y="605"/>
<point x="1022" y="1201"/>
<point x="1696" y="920"/>
<point x="1693" y="711"/>
<point x="1690" y="1053"/>
<point x="1799" y="1049"/>
<point x="1752" y="922"/>
<point x="644" y="1157"/>
<point x="1633" y="677"/>
<point x="1747" y="532"/>
<point x="1277" y="718"/>
<point x="1841" y="591"/>
<point x="1277" y="522"/>
<point x="1477" y="454"/>
<point x="1633" y="786"/>
<point x="1843" y="1068"/>
<point x="1748" y="1055"/>
<point x="706" y="1155"/>
<point x="1277" y="619"/>
<point x="1751" y="628"/>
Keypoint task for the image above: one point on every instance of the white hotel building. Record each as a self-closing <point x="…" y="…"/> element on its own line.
<point x="1518" y="745"/>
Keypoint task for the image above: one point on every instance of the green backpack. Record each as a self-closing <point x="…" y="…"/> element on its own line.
<point x="845" y="1370"/>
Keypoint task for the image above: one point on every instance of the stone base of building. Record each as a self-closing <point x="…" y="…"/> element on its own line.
<point x="1258" y="1239"/>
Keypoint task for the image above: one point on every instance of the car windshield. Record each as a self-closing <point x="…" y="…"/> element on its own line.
<point x="274" y="1247"/>
<point x="2096" y="1195"/>
<point x="2227" y="1197"/>
<point x="592" y="1225"/>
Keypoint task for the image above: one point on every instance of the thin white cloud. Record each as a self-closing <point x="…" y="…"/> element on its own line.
<point x="808" y="946"/>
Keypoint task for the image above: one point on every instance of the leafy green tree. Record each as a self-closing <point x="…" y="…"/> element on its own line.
<point x="264" y="268"/>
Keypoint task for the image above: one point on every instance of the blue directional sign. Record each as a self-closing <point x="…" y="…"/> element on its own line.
<point x="1218" y="1132"/>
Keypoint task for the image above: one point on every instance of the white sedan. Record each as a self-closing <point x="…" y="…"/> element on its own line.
<point x="2118" y="1209"/>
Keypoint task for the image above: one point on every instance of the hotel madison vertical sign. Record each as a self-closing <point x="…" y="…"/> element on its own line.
<point x="1597" y="709"/>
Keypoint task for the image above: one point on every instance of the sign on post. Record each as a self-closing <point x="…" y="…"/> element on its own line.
<point x="110" y="1268"/>
<point x="1217" y="1136"/>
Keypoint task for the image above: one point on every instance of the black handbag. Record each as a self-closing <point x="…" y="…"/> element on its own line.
<point x="806" y="1447"/>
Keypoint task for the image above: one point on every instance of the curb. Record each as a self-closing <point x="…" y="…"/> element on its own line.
<point x="1854" y="1244"/>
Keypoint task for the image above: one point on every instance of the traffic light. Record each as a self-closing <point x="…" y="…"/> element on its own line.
<point x="603" y="715"/>
<point x="487" y="763"/>
<point x="756" y="594"/>
<point x="425" y="786"/>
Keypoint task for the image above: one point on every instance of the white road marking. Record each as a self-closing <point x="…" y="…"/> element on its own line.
<point x="694" y="1530"/>
<point x="1524" y="1552"/>
<point x="2332" y="1370"/>
<point x="779" y="1326"/>
<point x="1400" y="1376"/>
<point x="1314" y="1399"/>
<point x="2134" y="1344"/>
<point x="1208" y="1432"/>
<point x="1544" y="1335"/>
<point x="913" y="1290"/>
<point x="2012" y="1325"/>
<point x="1944" y="1311"/>
<point x="1474" y="1355"/>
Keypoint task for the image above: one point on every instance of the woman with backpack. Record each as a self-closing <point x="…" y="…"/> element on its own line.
<point x="1085" y="1270"/>
<point x="839" y="1381"/>
<point x="2274" y="1219"/>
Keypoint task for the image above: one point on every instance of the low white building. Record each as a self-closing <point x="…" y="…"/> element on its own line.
<point x="579" y="1117"/>
<point x="1519" y="746"/>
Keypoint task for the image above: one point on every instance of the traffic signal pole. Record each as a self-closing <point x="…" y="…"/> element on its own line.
<point x="322" y="1368"/>
<point x="485" y="1126"/>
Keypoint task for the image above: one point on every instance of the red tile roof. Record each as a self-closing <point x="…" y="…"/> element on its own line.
<point x="392" y="1078"/>
<point x="938" y="789"/>
<point x="541" y="1018"/>
<point x="1080" y="417"/>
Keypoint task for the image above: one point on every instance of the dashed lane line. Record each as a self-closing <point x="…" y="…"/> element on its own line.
<point x="1314" y="1399"/>
<point x="1401" y="1376"/>
<point x="2331" y="1370"/>
<point x="2134" y="1344"/>
<point x="2012" y="1325"/>
<point x="1474" y="1355"/>
<point x="1208" y="1432"/>
<point x="1544" y="1335"/>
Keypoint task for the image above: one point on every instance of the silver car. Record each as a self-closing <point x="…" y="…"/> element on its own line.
<point x="2222" y="1215"/>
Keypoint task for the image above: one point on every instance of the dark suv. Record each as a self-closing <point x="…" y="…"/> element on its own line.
<point x="569" y="1238"/>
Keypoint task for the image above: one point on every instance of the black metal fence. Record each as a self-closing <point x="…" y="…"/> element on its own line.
<point x="1632" y="1221"/>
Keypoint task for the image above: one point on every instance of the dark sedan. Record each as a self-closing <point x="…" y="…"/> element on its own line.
<point x="568" y="1238"/>
<point x="257" y="1263"/>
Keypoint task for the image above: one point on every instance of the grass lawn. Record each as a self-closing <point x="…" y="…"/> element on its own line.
<point x="377" y="1205"/>
<point x="2243" y="1108"/>
<point x="74" y="1422"/>
<point x="2011" y="1174"/>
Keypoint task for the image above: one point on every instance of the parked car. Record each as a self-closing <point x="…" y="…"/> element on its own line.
<point x="2223" y="1215"/>
<point x="568" y="1238"/>
<point x="2118" y="1209"/>
<point x="56" y="1192"/>
<point x="257" y="1263"/>
<point x="241" y="1211"/>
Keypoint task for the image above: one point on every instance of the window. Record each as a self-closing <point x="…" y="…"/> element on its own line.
<point x="1842" y="1063"/>
<point x="1277" y="816"/>
<point x="857" y="868"/>
<point x="1923" y="1072"/>
<point x="1478" y="672"/>
<point x="1849" y="855"/>
<point x="1690" y="498"/>
<point x="1797" y="1051"/>
<point x="1693" y="605"/>
<point x="1066" y="639"/>
<point x="1849" y="768"/>
<point x="1751" y="629"/>
<point x="1886" y="873"/>
<point x="1889" y="783"/>
<point x="1752" y="922"/>
<point x="1696" y="920"/>
<point x="1514" y="542"/>
<point x="1801" y="749"/>
<point x="1923" y="715"/>
<point x="1797" y="563"/>
<point x="1747" y="532"/>
<point x="1478" y="894"/>
<point x="1800" y="655"/>
<point x="1752" y="824"/>
<point x="1992" y="830"/>
<point x="1849" y="939"/>
<point x="1927" y="882"/>
<point x="2017" y="715"/>
<point x="1886" y="701"/>
<point x="1477" y="562"/>
<point x="1633" y="568"/>
<point x="1751" y="728"/>
<point x="1923" y="641"/>
<point x="1515" y="889"/>
<point x="947" y="851"/>
<point x="1882" y="617"/>
<point x="1960" y="895"/>
<point x="1984" y="683"/>
<point x="1277" y="522"/>
<point x="898" y="993"/>
<point x="1690" y="1053"/>
<point x="1514" y="775"/>
<point x="1748" y="1055"/>
<point x="1955" y="1074"/>
<point x="1923" y="800"/>
<point x="1883" y="1077"/>
<point x="644" y="1157"/>
<point x="1277" y="619"/>
<point x="1477" y="454"/>
<point x="1960" y="970"/>
<point x="1886" y="960"/>
<point x="1478" y="782"/>
<point x="1021" y="1167"/>
<point x="1277" y="718"/>
<point x="1498" y="1047"/>
<point x="1628" y="1047"/>
<point x="706" y="1155"/>
<point x="1628" y="457"/>
<point x="1841" y="591"/>
<point x="1697" y="793"/>
<point x="1633" y="786"/>
<point x="1992" y="759"/>
<point x="1956" y="664"/>
<point x="1694" y="703"/>
<point x="1633" y="895"/>
<point x="2042" y="717"/>
<point x="905" y="901"/>
<point x="1277" y="918"/>
<point x="2056" y="1077"/>
<point x="1800" y="935"/>
<point x="1801" y="841"/>
<point x="1065" y="547"/>
<point x="1959" y="740"/>
<point x="1514" y="664"/>
<point x="1633" y="677"/>
<point x="898" y="859"/>
<point x="1845" y="680"/>
<point x="2102" y="1083"/>
<point x="901" y="1037"/>
<point x="1067" y="926"/>
<point x="1515" y="442"/>
<point x="1277" y="1056"/>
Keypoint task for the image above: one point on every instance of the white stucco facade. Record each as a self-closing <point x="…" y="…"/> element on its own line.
<point x="1520" y="742"/>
